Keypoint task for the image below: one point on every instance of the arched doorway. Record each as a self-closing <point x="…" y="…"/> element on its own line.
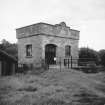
<point x="50" y="54"/>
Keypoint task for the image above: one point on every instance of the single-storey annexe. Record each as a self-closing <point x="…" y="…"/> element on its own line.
<point x="8" y="64"/>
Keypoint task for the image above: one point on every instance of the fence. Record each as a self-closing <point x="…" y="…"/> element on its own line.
<point x="61" y="63"/>
<point x="65" y="62"/>
<point x="73" y="62"/>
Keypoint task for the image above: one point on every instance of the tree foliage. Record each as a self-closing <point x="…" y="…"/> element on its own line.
<point x="9" y="47"/>
<point x="87" y="54"/>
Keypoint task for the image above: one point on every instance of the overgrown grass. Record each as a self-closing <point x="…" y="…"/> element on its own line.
<point x="45" y="102"/>
<point x="87" y="98"/>
<point x="53" y="88"/>
<point x="29" y="89"/>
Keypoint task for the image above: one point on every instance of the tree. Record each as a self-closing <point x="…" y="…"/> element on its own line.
<point x="9" y="47"/>
<point x="102" y="57"/>
<point x="4" y="44"/>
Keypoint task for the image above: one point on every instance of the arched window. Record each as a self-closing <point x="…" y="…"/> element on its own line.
<point x="67" y="51"/>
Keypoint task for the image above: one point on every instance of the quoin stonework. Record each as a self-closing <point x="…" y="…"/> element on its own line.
<point x="45" y="42"/>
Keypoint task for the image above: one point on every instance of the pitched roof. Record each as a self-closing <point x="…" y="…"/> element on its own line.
<point x="3" y="53"/>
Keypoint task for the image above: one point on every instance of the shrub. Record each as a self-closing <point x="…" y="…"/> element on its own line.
<point x="87" y="54"/>
<point x="102" y="57"/>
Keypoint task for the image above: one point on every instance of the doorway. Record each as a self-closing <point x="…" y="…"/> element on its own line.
<point x="50" y="54"/>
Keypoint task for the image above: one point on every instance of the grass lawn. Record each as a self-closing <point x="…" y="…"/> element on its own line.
<point x="54" y="87"/>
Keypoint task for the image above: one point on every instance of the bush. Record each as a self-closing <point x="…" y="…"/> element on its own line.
<point x="91" y="67"/>
<point x="87" y="55"/>
<point x="102" y="57"/>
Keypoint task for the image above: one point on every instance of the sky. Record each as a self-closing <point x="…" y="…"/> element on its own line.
<point x="87" y="16"/>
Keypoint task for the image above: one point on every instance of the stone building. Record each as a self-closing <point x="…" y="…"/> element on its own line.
<point x="46" y="42"/>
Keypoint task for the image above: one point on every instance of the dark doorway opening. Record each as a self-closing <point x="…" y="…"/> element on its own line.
<point x="50" y="54"/>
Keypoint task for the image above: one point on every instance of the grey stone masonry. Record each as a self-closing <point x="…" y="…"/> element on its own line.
<point x="41" y="34"/>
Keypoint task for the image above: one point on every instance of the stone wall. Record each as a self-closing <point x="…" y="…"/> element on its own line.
<point x="60" y="43"/>
<point x="36" y="50"/>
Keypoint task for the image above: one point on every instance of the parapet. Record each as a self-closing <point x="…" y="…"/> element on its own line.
<point x="60" y="30"/>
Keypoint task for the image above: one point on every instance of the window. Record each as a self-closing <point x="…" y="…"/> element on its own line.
<point x="29" y="50"/>
<point x="67" y="51"/>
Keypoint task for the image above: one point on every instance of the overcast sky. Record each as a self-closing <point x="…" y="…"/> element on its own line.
<point x="87" y="16"/>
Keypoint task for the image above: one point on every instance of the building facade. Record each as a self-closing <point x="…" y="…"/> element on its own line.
<point x="46" y="42"/>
